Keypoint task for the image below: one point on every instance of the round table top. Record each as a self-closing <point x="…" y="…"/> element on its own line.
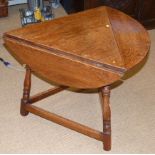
<point x="89" y="49"/>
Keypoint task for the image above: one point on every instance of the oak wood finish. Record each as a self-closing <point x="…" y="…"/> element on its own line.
<point x="26" y="92"/>
<point x="64" y="71"/>
<point x="91" y="49"/>
<point x="27" y="107"/>
<point x="46" y="94"/>
<point x="142" y="10"/>
<point x="103" y="43"/>
<point x="65" y="122"/>
<point x="105" y="97"/>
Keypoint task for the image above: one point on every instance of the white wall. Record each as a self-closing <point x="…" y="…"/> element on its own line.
<point x="14" y="2"/>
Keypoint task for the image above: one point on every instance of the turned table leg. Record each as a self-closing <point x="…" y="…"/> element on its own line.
<point x="26" y="92"/>
<point x="105" y="96"/>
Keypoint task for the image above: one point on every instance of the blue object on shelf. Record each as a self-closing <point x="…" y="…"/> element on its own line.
<point x="28" y="15"/>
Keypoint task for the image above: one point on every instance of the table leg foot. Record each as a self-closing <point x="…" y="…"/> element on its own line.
<point x="26" y="92"/>
<point x="107" y="135"/>
<point x="105" y="97"/>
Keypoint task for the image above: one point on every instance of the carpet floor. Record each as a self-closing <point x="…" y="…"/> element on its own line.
<point x="132" y="104"/>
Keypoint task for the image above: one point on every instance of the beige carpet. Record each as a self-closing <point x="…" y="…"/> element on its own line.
<point x="132" y="103"/>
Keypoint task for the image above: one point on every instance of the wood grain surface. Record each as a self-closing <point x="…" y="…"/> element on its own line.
<point x="89" y="49"/>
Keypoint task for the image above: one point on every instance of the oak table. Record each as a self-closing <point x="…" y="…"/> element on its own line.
<point x="90" y="49"/>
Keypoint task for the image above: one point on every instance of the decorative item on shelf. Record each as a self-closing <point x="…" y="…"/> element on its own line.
<point x="47" y="12"/>
<point x="55" y="3"/>
<point x="37" y="12"/>
<point x="27" y="16"/>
